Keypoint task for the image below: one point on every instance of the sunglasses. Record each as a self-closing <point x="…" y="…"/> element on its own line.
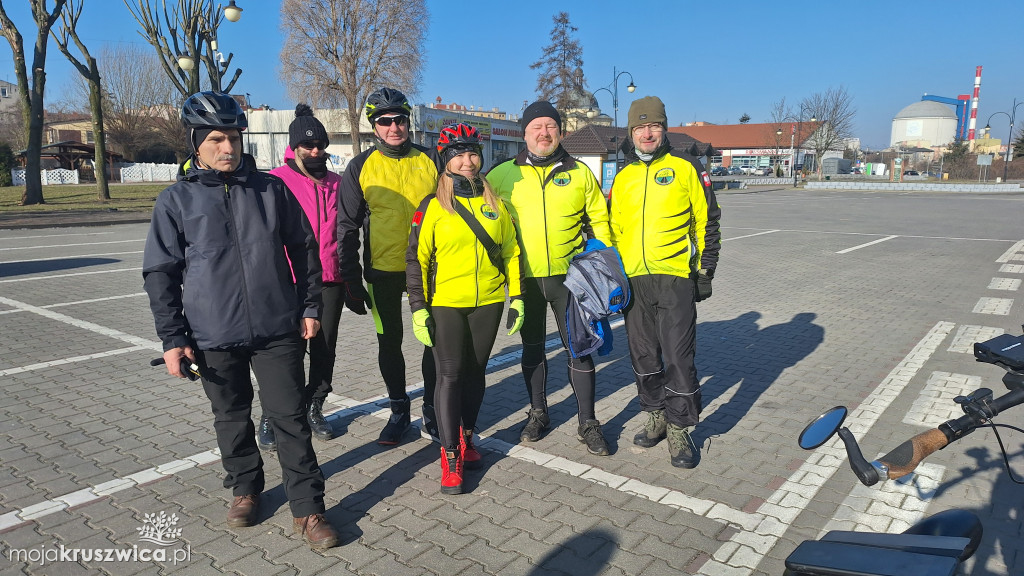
<point x="309" y="145"/>
<point x="389" y="120"/>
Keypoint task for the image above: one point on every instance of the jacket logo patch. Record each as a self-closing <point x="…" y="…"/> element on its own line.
<point x="417" y="218"/>
<point x="488" y="212"/>
<point x="561" y="179"/>
<point x="665" y="176"/>
<point x="707" y="179"/>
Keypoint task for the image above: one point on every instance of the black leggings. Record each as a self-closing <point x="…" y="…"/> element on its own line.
<point x="539" y="293"/>
<point x="386" y="292"/>
<point x="463" y="339"/>
<point x="323" y="346"/>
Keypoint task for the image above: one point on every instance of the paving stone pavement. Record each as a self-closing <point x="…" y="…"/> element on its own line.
<point x="805" y="315"/>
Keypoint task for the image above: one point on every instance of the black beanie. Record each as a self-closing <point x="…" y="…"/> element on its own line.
<point x="305" y="128"/>
<point x="540" y="109"/>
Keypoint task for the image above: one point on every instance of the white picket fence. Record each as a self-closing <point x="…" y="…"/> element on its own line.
<point x="58" y="176"/>
<point x="149" y="172"/>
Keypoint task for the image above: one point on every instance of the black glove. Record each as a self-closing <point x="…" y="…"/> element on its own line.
<point x="356" y="298"/>
<point x="703" y="286"/>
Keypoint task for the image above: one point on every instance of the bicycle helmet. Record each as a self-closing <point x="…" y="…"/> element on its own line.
<point x="456" y="139"/>
<point x="387" y="100"/>
<point x="214" y="110"/>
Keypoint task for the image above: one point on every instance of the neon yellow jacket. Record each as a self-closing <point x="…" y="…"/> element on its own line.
<point x="379" y="195"/>
<point x="659" y="216"/>
<point x="552" y="207"/>
<point x="447" y="266"/>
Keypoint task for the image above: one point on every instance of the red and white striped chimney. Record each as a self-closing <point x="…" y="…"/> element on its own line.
<point x="974" y="104"/>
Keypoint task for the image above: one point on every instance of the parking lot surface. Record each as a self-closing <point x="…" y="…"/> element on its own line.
<point x="868" y="300"/>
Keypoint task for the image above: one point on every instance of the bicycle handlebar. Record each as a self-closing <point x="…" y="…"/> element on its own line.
<point x="906" y="457"/>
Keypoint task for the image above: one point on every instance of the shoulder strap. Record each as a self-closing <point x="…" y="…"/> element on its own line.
<point x="492" y="249"/>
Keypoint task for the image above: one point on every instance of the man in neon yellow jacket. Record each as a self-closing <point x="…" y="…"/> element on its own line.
<point x="664" y="222"/>
<point x="556" y="203"/>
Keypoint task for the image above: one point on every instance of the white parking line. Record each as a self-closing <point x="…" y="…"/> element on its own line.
<point x="795" y="495"/>
<point x="50" y="277"/>
<point x="70" y="256"/>
<point x="56" y="235"/>
<point x="69" y="245"/>
<point x="1013" y="251"/>
<point x="749" y="235"/>
<point x="996" y="306"/>
<point x="1004" y="284"/>
<point x="866" y="244"/>
<point x="117" y="334"/>
<point x="72" y="360"/>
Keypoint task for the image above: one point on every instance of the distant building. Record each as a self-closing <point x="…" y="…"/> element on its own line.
<point x="757" y="145"/>
<point x="267" y="135"/>
<point x="8" y="100"/>
<point x="924" y="124"/>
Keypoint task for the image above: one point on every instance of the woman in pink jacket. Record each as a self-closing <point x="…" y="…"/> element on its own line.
<point x="306" y="175"/>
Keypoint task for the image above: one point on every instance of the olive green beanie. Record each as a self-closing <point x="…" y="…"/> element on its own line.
<point x="645" y="111"/>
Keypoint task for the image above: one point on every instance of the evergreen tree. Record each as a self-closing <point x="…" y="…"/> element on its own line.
<point x="560" y="79"/>
<point x="1018" y="144"/>
<point x="745" y="118"/>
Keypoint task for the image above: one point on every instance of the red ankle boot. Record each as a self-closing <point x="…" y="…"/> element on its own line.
<point x="451" y="471"/>
<point x="471" y="457"/>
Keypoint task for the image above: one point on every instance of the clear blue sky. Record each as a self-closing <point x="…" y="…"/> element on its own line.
<point x="706" y="61"/>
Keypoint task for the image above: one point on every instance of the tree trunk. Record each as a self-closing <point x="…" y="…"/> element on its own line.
<point x="354" y="115"/>
<point x="99" y="136"/>
<point x="33" y="177"/>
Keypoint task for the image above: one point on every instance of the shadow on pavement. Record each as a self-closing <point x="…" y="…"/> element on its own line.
<point x="8" y="269"/>
<point x="738" y="343"/>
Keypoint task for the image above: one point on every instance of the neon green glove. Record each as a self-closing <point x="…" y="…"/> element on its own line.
<point x="516" y="314"/>
<point x="423" y="326"/>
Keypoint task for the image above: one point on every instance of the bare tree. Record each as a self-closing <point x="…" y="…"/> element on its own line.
<point x="560" y="79"/>
<point x="32" y="97"/>
<point x="191" y="31"/>
<point x="91" y="72"/>
<point x="781" y="117"/>
<point x="12" y="129"/>
<point x="335" y="52"/>
<point x="834" y="111"/>
<point x="137" y="94"/>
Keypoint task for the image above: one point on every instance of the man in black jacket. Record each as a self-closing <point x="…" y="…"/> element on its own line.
<point x="216" y="267"/>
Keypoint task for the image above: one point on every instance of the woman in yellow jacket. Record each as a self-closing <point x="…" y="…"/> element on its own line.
<point x="457" y="291"/>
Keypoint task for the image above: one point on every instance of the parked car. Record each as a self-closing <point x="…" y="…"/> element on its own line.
<point x="911" y="173"/>
<point x="763" y="171"/>
<point x="747" y="169"/>
<point x="735" y="171"/>
<point x="719" y="171"/>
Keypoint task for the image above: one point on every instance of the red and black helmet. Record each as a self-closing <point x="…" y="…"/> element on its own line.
<point x="456" y="139"/>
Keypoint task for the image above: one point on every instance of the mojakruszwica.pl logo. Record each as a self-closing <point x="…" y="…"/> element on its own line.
<point x="158" y="533"/>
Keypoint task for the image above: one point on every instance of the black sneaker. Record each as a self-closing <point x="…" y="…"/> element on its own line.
<point x="397" y="425"/>
<point x="536" y="425"/>
<point x="318" y="425"/>
<point x="428" y="425"/>
<point x="590" y="434"/>
<point x="681" y="448"/>
<point x="265" y="435"/>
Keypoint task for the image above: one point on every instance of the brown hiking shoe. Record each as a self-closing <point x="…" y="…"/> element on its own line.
<point x="243" y="510"/>
<point x="316" y="531"/>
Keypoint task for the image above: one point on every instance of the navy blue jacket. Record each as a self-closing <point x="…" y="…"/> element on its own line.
<point x="220" y="258"/>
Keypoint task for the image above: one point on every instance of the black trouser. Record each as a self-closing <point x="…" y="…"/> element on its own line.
<point x="539" y="294"/>
<point x="386" y="291"/>
<point x="661" y="325"/>
<point x="323" y="347"/>
<point x="278" y="367"/>
<point x="463" y="339"/>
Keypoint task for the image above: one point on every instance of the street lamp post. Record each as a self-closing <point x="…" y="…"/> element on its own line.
<point x="1009" y="137"/>
<point x="216" y="63"/>
<point x="614" y="91"/>
<point x="793" y="129"/>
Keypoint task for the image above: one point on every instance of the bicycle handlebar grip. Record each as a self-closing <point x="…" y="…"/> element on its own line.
<point x="905" y="458"/>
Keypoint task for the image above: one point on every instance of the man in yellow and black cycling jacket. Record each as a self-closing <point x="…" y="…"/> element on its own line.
<point x="664" y="222"/>
<point x="380" y="191"/>
<point x="556" y="203"/>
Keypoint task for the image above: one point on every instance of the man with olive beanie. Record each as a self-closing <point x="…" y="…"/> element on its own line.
<point x="556" y="205"/>
<point x="664" y="222"/>
<point x="316" y="188"/>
